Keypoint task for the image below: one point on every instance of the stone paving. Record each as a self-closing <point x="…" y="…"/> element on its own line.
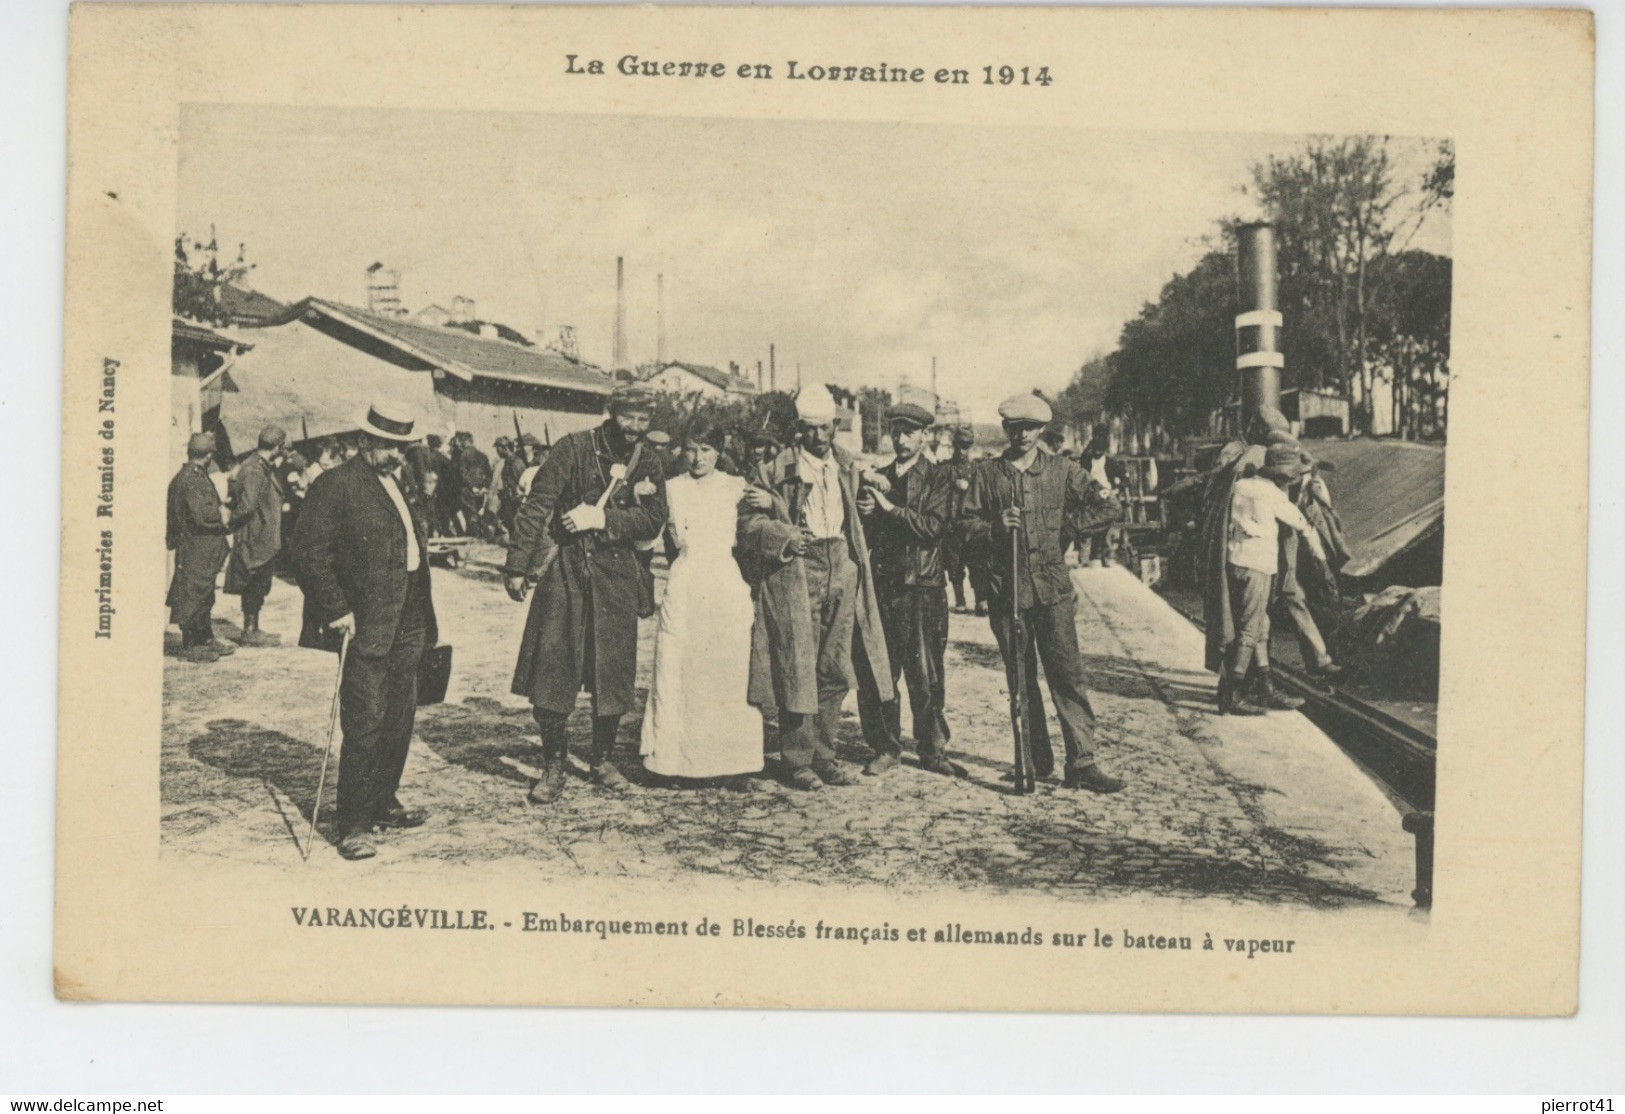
<point x="1248" y="810"/>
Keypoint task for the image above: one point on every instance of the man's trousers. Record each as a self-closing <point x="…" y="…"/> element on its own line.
<point x="378" y="700"/>
<point x="916" y="623"/>
<point x="832" y="593"/>
<point x="1052" y="637"/>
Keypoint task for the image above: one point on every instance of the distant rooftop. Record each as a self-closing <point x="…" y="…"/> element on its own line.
<point x="462" y="355"/>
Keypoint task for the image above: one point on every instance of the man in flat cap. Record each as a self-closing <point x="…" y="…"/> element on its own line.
<point x="1258" y="511"/>
<point x="803" y="551"/>
<point x="1024" y="496"/>
<point x="958" y="469"/>
<point x="257" y="497"/>
<point x="513" y="467"/>
<point x="361" y="549"/>
<point x="598" y="493"/>
<point x="196" y="529"/>
<point x="905" y="518"/>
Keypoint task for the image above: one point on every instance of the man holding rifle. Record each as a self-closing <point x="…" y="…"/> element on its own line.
<point x="1014" y="512"/>
<point x="598" y="493"/>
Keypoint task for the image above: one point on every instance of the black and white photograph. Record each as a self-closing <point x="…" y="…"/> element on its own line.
<point x="813" y="556"/>
<point x="637" y="474"/>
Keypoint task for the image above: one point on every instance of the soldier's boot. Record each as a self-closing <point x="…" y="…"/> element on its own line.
<point x="1232" y="698"/>
<point x="1266" y="695"/>
<point x="555" y="757"/>
<point x="253" y="636"/>
<point x="604" y="773"/>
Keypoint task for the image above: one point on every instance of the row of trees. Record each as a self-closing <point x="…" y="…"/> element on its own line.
<point x="1366" y="316"/>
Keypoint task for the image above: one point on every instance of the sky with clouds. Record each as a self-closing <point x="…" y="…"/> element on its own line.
<point x="861" y="250"/>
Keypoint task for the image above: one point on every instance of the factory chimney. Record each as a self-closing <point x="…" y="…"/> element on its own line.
<point x="1258" y="325"/>
<point x="660" y="320"/>
<point x="618" y="358"/>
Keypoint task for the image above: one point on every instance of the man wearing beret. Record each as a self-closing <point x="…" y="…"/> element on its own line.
<point x="905" y="517"/>
<point x="196" y="530"/>
<point x="361" y="549"/>
<point x="574" y="540"/>
<point x="1027" y="495"/>
<point x="803" y="551"/>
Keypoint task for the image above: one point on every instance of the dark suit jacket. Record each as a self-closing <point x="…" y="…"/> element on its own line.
<point x="349" y="548"/>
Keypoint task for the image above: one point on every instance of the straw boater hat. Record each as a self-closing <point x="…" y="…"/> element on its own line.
<point x="390" y="422"/>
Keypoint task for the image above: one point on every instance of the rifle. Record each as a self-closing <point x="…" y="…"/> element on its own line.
<point x="1020" y="713"/>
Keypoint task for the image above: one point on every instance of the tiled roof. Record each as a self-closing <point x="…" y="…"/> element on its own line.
<point x="203" y="336"/>
<point x="453" y="351"/>
<point x="243" y="306"/>
<point x="1389" y="494"/>
<point x="714" y="376"/>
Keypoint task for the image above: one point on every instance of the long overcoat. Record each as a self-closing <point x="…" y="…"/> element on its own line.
<point x="582" y="631"/>
<point x="256" y="517"/>
<point x="1217" y="619"/>
<point x="784" y="643"/>
<point x="196" y="530"/>
<point x="349" y="548"/>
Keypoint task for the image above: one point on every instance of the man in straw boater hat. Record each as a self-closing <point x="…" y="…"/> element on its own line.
<point x="1256" y="509"/>
<point x="905" y="518"/>
<point x="1015" y="510"/>
<point x="196" y="529"/>
<point x="803" y="551"/>
<point x="573" y="541"/>
<point x="361" y="551"/>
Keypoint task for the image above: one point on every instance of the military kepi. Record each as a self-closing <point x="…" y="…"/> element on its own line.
<point x="631" y="396"/>
<point x="909" y="416"/>
<point x="1026" y="409"/>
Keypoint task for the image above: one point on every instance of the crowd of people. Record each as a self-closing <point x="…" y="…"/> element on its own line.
<point x="797" y="573"/>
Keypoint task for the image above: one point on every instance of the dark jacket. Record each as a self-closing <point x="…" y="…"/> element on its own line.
<point x="196" y="531"/>
<point x="1053" y="492"/>
<point x="905" y="544"/>
<point x="256" y="512"/>
<point x="349" y="548"/>
<point x="194" y="527"/>
<point x="594" y="581"/>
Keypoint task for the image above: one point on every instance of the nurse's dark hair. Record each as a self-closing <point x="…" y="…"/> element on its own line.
<point x="705" y="431"/>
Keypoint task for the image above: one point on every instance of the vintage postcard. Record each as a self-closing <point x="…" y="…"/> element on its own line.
<point x="847" y="507"/>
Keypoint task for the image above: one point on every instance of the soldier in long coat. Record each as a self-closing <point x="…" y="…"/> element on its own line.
<point x="196" y="530"/>
<point x="803" y="552"/>
<point x="577" y="550"/>
<point x="256" y="516"/>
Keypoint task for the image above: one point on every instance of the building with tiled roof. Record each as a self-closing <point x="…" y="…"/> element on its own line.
<point x="317" y="368"/>
<point x="683" y="378"/>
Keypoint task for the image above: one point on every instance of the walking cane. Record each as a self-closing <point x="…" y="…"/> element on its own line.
<point x="332" y="729"/>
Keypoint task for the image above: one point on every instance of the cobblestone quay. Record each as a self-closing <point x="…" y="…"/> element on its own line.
<point x="1251" y="810"/>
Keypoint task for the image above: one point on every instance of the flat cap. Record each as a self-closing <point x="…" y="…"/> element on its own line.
<point x="200" y="444"/>
<point x="910" y="415"/>
<point x="272" y="437"/>
<point x="1025" y="407"/>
